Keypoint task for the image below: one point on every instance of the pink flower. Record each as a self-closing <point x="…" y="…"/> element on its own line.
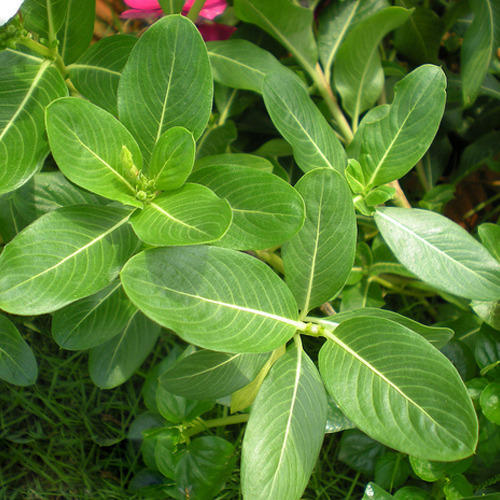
<point x="211" y="9"/>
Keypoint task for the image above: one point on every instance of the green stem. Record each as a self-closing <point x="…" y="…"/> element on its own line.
<point x="195" y="10"/>
<point x="422" y="177"/>
<point x="216" y="422"/>
<point x="36" y="47"/>
<point x="353" y="485"/>
<point x="481" y="205"/>
<point x="275" y="261"/>
<point x="400" y="197"/>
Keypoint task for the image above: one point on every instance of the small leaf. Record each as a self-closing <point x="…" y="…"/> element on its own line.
<point x="488" y="311"/>
<point x="44" y="17"/>
<point x="235" y="160"/>
<point x="490" y="237"/>
<point x="392" y="384"/>
<point x="217" y="139"/>
<point x="328" y="237"/>
<point x="285" y="430"/>
<point x="17" y="361"/>
<point x="216" y="298"/>
<point x="440" y="252"/>
<point x="87" y="143"/>
<point x="375" y="492"/>
<point x="190" y="215"/>
<point x="172" y="159"/>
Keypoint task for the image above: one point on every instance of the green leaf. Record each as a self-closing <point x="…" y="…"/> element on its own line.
<point x="392" y="384"/>
<point x="438" y="336"/>
<point x="172" y="6"/>
<point x="17" y="362"/>
<point x="91" y="321"/>
<point x="188" y="216"/>
<point x="359" y="451"/>
<point x="440" y="252"/>
<point x="375" y="492"/>
<point x="27" y="85"/>
<point x="217" y="139"/>
<point x="172" y="159"/>
<point x="240" y="64"/>
<point x="65" y="255"/>
<point x="479" y="45"/>
<point x="114" y="362"/>
<point x="393" y="138"/>
<point x="216" y="298"/>
<point x="266" y="210"/>
<point x="301" y="123"/>
<point x="87" y="143"/>
<point x="285" y="430"/>
<point x="234" y="160"/>
<point x="358" y="73"/>
<point x="160" y="89"/>
<point x="76" y="32"/>
<point x="44" y="17"/>
<point x="488" y="311"/>
<point x="391" y="470"/>
<point x="419" y="38"/>
<point x="97" y="72"/>
<point x="328" y="239"/>
<point x="212" y="375"/>
<point x="290" y="24"/>
<point x="490" y="237"/>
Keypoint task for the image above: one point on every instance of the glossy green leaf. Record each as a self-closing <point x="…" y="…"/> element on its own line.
<point x="17" y="361"/>
<point x="87" y="143"/>
<point x="285" y="430"/>
<point x="374" y="492"/>
<point x="328" y="238"/>
<point x="240" y="64"/>
<point x="27" y="85"/>
<point x="211" y="375"/>
<point x="358" y="73"/>
<point x="266" y="210"/>
<point x="490" y="237"/>
<point x="172" y="159"/>
<point x="438" y="336"/>
<point x="216" y="298"/>
<point x="160" y="89"/>
<point x="76" y="31"/>
<point x="114" y="362"/>
<point x="488" y="311"/>
<point x="440" y="252"/>
<point x="44" y="17"/>
<point x="393" y="138"/>
<point x="235" y="160"/>
<point x="91" y="321"/>
<point x="64" y="256"/>
<point x="97" y="72"/>
<point x="301" y="123"/>
<point x="336" y="421"/>
<point x="479" y="45"/>
<point x="188" y="216"/>
<point x="289" y="23"/>
<point x="392" y="470"/>
<point x="392" y="384"/>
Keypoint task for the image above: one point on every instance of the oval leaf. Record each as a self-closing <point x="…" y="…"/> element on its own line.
<point x="189" y="216"/>
<point x="216" y="298"/>
<point x="285" y="430"/>
<point x="440" y="252"/>
<point x="266" y="210"/>
<point x="398" y="389"/>
<point x="64" y="256"/>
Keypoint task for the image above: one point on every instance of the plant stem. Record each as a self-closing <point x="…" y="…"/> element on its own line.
<point x="216" y="422"/>
<point x="400" y="197"/>
<point x="36" y="47"/>
<point x="480" y="206"/>
<point x="195" y="10"/>
<point x="353" y="485"/>
<point x="422" y="177"/>
<point x="275" y="261"/>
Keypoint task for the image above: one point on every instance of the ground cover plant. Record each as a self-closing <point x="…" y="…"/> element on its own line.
<point x="241" y="198"/>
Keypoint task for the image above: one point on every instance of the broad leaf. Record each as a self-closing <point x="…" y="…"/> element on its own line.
<point x="285" y="430"/>
<point x="172" y="159"/>
<point x="393" y="138"/>
<point x="490" y="238"/>
<point x="160" y="89"/>
<point x="241" y="64"/>
<point x="97" y="72"/>
<point x="489" y="312"/>
<point x="266" y="210"/>
<point x="64" y="256"/>
<point x="17" y="362"/>
<point x="392" y="384"/>
<point x="87" y="143"/>
<point x="114" y="362"/>
<point x="44" y="17"/>
<point x="211" y="375"/>
<point x="216" y="298"/>
<point x="27" y="85"/>
<point x="301" y="123"/>
<point x="290" y="24"/>
<point x="235" y="160"/>
<point x="93" y="320"/>
<point x="358" y="75"/>
<point x="440" y="252"/>
<point x="479" y="45"/>
<point x="188" y="216"/>
<point x="76" y="31"/>
<point x="438" y="336"/>
<point x="328" y="239"/>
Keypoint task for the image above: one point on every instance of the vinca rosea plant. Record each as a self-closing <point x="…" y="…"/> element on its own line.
<point x="131" y="211"/>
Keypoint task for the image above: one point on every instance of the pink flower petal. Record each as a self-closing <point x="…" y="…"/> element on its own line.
<point x="143" y="4"/>
<point x="211" y="9"/>
<point x="214" y="31"/>
<point x="140" y="14"/>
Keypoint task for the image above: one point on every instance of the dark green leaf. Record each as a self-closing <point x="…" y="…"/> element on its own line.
<point x="359" y="451"/>
<point x="44" y="17"/>
<point x="216" y="139"/>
